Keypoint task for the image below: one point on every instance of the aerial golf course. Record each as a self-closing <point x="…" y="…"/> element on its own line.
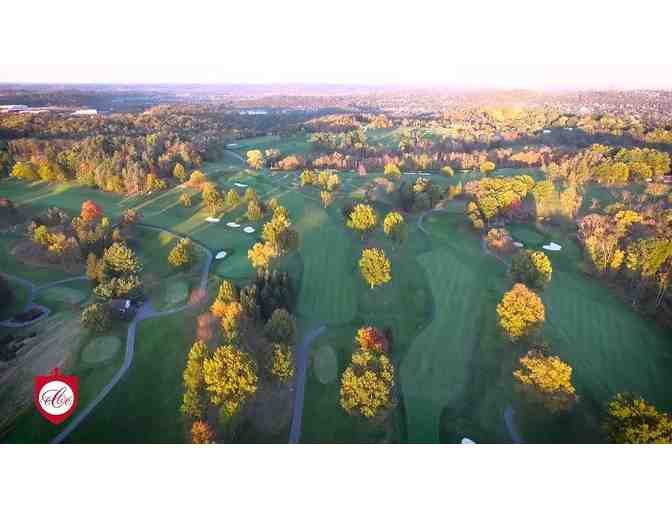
<point x="454" y="366"/>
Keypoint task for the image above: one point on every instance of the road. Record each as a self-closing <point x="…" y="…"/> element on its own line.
<point x="302" y="353"/>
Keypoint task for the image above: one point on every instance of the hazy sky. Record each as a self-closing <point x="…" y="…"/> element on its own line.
<point x="569" y="43"/>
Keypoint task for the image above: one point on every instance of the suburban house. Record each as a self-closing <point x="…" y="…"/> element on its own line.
<point x="123" y="308"/>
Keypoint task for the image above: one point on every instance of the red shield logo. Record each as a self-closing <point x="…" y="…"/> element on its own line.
<point x="56" y="395"/>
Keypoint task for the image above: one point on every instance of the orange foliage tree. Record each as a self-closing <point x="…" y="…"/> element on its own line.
<point x="90" y="211"/>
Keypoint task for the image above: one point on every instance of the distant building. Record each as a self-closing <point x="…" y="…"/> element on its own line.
<point x="13" y="107"/>
<point x="87" y="111"/>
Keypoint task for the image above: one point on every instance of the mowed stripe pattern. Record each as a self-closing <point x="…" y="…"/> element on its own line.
<point x="435" y="369"/>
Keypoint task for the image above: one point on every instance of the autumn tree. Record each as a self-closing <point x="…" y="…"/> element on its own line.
<point x="255" y="159"/>
<point x="279" y="233"/>
<point x="232" y="199"/>
<point x="487" y="167"/>
<point x="308" y="178"/>
<point x="362" y="219"/>
<point x="280" y="362"/>
<point x="631" y="419"/>
<point x="548" y="379"/>
<point x="227" y="292"/>
<point x="90" y="211"/>
<point x="281" y="327"/>
<point x="185" y="200"/>
<point x="201" y="433"/>
<point x="367" y="384"/>
<point x="182" y="254"/>
<point x="394" y="227"/>
<point x="193" y="379"/>
<point x="230" y="378"/>
<point x="327" y="198"/>
<point x="369" y="338"/>
<point x="212" y="198"/>
<point x="521" y="312"/>
<point x="533" y="268"/>
<point x="179" y="172"/>
<point x="254" y="212"/>
<point x="120" y="259"/>
<point x="375" y="267"/>
<point x="25" y="171"/>
<point x="392" y="170"/>
<point x="96" y="317"/>
<point x="94" y="267"/>
<point x="261" y="255"/>
<point x="233" y="320"/>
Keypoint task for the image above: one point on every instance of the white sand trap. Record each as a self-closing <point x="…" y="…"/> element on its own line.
<point x="552" y="247"/>
<point x="466" y="440"/>
<point x="232" y="145"/>
<point x="518" y="244"/>
<point x="220" y="255"/>
<point x="248" y="230"/>
<point x="240" y="185"/>
<point x="210" y="219"/>
<point x="233" y="224"/>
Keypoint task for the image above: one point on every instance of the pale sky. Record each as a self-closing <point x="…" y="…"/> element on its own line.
<point x="515" y="43"/>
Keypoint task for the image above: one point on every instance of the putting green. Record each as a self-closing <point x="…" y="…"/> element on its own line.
<point x="176" y="293"/>
<point x="325" y="364"/>
<point x="63" y="295"/>
<point x="101" y="350"/>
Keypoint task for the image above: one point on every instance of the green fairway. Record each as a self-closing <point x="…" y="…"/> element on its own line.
<point x="100" y="350"/>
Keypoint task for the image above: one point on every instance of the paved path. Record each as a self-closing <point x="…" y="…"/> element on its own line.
<point x="302" y="353"/>
<point x="511" y="426"/>
<point x="145" y="312"/>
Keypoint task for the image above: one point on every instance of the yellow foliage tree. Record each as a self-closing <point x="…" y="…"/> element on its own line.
<point x="394" y="227"/>
<point x="520" y="312"/>
<point x="201" y="433"/>
<point x="366" y="385"/>
<point x="362" y="219"/>
<point x="232" y="320"/>
<point x="327" y="198"/>
<point x="630" y="419"/>
<point x="392" y="170"/>
<point x="549" y="378"/>
<point x="375" y="267"/>
<point x="261" y="255"/>
<point x="281" y="362"/>
<point x="230" y="378"/>
<point x="255" y="159"/>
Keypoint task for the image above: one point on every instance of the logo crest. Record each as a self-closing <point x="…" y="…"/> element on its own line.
<point x="56" y="395"/>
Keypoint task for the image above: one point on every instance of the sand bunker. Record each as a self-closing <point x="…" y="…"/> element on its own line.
<point x="220" y="255"/>
<point x="210" y="219"/>
<point x="240" y="185"/>
<point x="248" y="230"/>
<point x="552" y="247"/>
<point x="518" y="244"/>
<point x="233" y="224"/>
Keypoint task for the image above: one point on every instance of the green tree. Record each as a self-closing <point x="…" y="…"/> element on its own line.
<point x="533" y="268"/>
<point x="281" y="327"/>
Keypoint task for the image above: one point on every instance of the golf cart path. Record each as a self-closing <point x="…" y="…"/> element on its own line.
<point x="146" y="311"/>
<point x="302" y="353"/>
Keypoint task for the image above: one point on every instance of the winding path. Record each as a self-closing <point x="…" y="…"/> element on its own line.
<point x="145" y="312"/>
<point x="302" y="353"/>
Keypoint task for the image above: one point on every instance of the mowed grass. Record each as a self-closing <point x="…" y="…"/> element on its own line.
<point x="144" y="406"/>
<point x="327" y="292"/>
